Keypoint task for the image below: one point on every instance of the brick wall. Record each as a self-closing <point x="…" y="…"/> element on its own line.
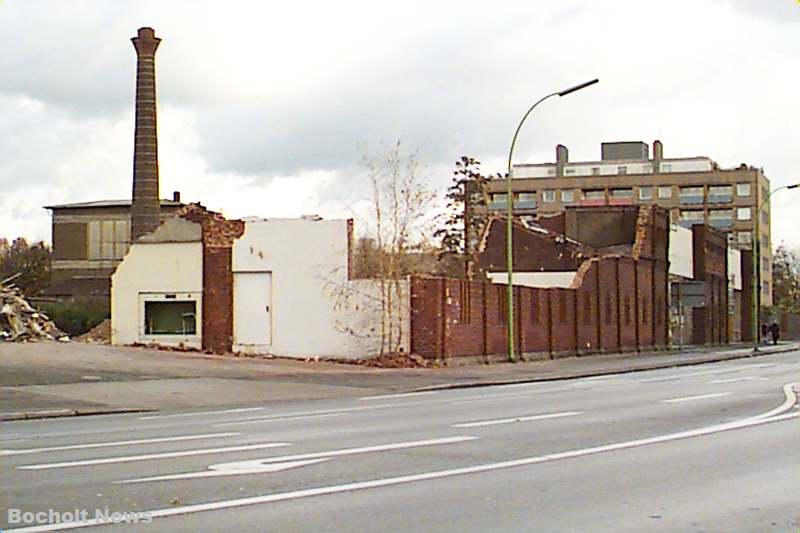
<point x="617" y="304"/>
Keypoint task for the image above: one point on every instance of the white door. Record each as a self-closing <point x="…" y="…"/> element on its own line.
<point x="252" y="308"/>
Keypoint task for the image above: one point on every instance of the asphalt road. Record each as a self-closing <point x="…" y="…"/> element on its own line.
<point x="705" y="448"/>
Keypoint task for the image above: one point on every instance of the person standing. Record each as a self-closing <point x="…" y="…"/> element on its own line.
<point x="775" y="330"/>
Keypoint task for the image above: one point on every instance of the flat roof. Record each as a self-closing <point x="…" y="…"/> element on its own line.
<point x="107" y="203"/>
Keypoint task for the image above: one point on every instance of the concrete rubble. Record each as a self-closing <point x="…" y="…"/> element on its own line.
<point x="20" y="322"/>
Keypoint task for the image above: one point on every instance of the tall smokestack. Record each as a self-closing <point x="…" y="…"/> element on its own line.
<point x="145" y="210"/>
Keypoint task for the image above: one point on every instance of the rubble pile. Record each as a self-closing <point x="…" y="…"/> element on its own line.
<point x="19" y="321"/>
<point x="100" y="334"/>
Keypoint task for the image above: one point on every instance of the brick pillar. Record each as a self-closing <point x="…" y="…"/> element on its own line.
<point x="145" y="208"/>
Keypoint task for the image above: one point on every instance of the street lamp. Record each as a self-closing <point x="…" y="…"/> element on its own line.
<point x="510" y="215"/>
<point x="756" y="305"/>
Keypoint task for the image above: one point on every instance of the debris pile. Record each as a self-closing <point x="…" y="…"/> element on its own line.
<point x="100" y="334"/>
<point x="19" y="321"/>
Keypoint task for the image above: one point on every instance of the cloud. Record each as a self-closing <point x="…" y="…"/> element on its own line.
<point x="263" y="105"/>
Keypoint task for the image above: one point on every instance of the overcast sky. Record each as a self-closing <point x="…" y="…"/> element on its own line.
<point x="262" y="105"/>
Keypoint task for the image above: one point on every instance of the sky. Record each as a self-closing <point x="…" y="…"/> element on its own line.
<point x="265" y="108"/>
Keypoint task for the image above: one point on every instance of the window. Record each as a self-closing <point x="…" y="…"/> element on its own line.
<point x="764" y="242"/>
<point x="107" y="239"/>
<point x="691" y="195"/>
<point x="665" y="191"/>
<point x="595" y="171"/>
<point x="720" y="194"/>
<point x="742" y="189"/>
<point x="567" y="196"/>
<point x="621" y="193"/>
<point x="720" y="218"/>
<point x="744" y="238"/>
<point x="569" y="171"/>
<point x="765" y="265"/>
<point x="526" y="200"/>
<point x="743" y="213"/>
<point x="765" y="288"/>
<point x="623" y="169"/>
<point x="594" y="194"/>
<point x="647" y="168"/>
<point x="169" y="318"/>
<point x="645" y="193"/>
<point x="764" y="217"/>
<point x="498" y="200"/>
<point x="692" y="217"/>
<point x="666" y="167"/>
<point x="551" y="172"/>
<point x="549" y="196"/>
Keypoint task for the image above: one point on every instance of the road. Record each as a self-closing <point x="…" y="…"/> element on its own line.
<point x="706" y="448"/>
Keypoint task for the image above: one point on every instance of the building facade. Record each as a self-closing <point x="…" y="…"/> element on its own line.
<point x="89" y="240"/>
<point x="695" y="190"/>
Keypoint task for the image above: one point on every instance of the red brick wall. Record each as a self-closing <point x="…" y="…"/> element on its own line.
<point x="217" y="300"/>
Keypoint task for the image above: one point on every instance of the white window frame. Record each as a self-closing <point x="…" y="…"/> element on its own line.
<point x="740" y="187"/>
<point x="667" y="188"/>
<point x="548" y="196"/>
<point x="565" y="193"/>
<point x="646" y="188"/>
<point x="744" y="213"/>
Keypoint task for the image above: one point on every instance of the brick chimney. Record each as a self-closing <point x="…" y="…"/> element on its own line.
<point x="145" y="209"/>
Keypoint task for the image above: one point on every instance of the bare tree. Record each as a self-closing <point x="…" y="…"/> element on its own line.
<point x="401" y="224"/>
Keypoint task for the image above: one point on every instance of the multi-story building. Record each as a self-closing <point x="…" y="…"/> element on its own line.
<point x="89" y="240"/>
<point x="694" y="189"/>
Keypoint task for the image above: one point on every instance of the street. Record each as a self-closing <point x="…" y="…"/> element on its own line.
<point x="706" y="448"/>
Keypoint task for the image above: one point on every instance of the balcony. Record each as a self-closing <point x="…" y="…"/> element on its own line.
<point x="720" y="198"/>
<point x="691" y="199"/>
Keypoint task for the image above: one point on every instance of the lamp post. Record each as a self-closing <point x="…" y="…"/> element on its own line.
<point x="756" y="306"/>
<point x="510" y="214"/>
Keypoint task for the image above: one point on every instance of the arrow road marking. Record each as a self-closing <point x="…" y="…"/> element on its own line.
<point x="257" y="466"/>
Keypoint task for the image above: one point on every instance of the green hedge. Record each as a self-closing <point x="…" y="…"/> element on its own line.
<point x="76" y="317"/>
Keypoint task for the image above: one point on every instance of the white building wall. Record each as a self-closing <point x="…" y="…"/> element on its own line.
<point x="681" y="252"/>
<point x="735" y="269"/>
<point x="541" y="280"/>
<point x="151" y="271"/>
<point x="314" y="309"/>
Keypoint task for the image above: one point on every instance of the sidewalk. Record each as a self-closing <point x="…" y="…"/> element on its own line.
<point x="39" y="380"/>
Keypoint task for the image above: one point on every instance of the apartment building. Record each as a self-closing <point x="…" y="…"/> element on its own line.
<point x="695" y="190"/>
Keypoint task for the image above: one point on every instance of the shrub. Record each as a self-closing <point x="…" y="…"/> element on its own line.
<point x="76" y="317"/>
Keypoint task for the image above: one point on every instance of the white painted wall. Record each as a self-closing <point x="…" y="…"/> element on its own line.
<point x="149" y="271"/>
<point x="681" y="252"/>
<point x="315" y="310"/>
<point x="735" y="268"/>
<point x="535" y="279"/>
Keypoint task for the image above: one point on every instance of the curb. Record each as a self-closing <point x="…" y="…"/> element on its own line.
<point x="62" y="413"/>
<point x="610" y="371"/>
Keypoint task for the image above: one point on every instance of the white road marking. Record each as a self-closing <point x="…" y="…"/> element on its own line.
<point x="736" y="380"/>
<point x="255" y="466"/>
<point x="361" y="485"/>
<point x="790" y="401"/>
<point x="150" y="456"/>
<point x="314" y="413"/>
<point x="225" y="411"/>
<point x="117" y="443"/>
<point x="275" y="419"/>
<point x="693" y="398"/>
<point x="509" y="395"/>
<point x="399" y="395"/>
<point x="517" y="419"/>
<point x="706" y="373"/>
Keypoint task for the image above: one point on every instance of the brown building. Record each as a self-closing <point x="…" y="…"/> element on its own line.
<point x="615" y="298"/>
<point x="695" y="190"/>
<point x="89" y="241"/>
